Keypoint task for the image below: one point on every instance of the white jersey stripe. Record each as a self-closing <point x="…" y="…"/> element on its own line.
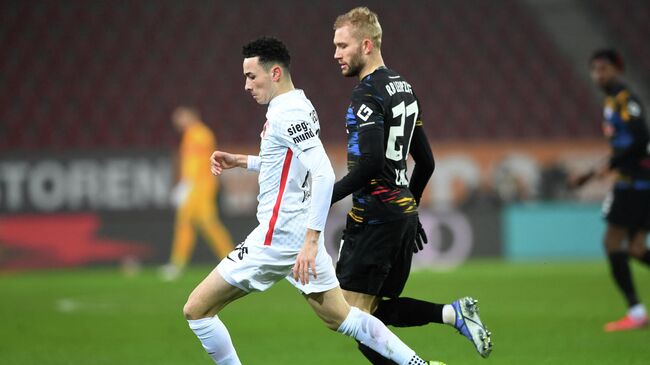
<point x="276" y="209"/>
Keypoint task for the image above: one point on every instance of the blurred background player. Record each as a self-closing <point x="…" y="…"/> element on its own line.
<point x="384" y="126"/>
<point x="195" y="193"/>
<point x="627" y="207"/>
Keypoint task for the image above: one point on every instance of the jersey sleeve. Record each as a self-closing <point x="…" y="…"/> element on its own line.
<point x="253" y="163"/>
<point x="632" y="110"/>
<point x="369" y="117"/>
<point x="322" y="177"/>
<point x="367" y="109"/>
<point x="425" y="163"/>
<point x="299" y="131"/>
<point x="418" y="122"/>
<point x="632" y="114"/>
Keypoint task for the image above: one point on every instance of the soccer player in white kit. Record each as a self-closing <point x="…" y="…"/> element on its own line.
<point x="296" y="181"/>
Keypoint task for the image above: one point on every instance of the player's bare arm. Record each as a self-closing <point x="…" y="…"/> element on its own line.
<point x="220" y="161"/>
<point x="601" y="170"/>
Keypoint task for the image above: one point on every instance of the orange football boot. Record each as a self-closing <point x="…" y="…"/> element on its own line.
<point x="626" y="323"/>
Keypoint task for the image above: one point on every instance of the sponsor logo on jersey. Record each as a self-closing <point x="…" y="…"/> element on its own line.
<point x="301" y="131"/>
<point x="398" y="87"/>
<point x="364" y="112"/>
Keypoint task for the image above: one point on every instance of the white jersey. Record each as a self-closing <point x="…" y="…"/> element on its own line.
<point x="292" y="127"/>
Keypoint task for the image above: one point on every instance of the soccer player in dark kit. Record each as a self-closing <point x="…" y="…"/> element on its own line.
<point x="382" y="232"/>
<point x="627" y="207"/>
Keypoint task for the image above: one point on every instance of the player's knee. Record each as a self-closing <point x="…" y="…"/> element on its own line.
<point x="333" y="323"/>
<point x="192" y="310"/>
<point x="637" y="250"/>
<point x="612" y="245"/>
<point x="335" y="319"/>
<point x="188" y="311"/>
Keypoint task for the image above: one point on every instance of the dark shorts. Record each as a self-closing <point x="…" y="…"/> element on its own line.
<point x="375" y="259"/>
<point x="629" y="208"/>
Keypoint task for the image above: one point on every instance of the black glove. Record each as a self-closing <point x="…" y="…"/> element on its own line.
<point x="420" y="239"/>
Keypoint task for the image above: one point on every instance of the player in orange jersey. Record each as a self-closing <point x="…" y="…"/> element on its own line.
<point x="195" y="194"/>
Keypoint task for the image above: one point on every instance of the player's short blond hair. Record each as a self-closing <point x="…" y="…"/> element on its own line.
<point x="364" y="21"/>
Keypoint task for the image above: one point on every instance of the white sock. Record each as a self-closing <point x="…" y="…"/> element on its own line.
<point x="638" y="311"/>
<point x="368" y="330"/>
<point x="448" y="315"/>
<point x="215" y="340"/>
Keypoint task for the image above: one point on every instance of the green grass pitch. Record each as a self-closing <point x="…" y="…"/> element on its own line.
<point x="541" y="313"/>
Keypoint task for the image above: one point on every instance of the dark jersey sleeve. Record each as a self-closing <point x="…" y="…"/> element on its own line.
<point x="369" y="115"/>
<point x="424" y="162"/>
<point x="632" y="114"/>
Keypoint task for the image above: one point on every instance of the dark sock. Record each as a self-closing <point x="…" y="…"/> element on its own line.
<point x="402" y="312"/>
<point x="620" y="267"/>
<point x="408" y="312"/>
<point x="373" y="356"/>
<point x="645" y="258"/>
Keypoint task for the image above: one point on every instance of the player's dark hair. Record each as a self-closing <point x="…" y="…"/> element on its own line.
<point x="610" y="55"/>
<point x="269" y="50"/>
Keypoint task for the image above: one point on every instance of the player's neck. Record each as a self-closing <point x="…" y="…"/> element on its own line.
<point x="191" y="124"/>
<point x="283" y="88"/>
<point x="613" y="87"/>
<point x="373" y="64"/>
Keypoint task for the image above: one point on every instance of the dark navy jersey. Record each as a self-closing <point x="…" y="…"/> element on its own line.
<point x="626" y="129"/>
<point x="383" y="101"/>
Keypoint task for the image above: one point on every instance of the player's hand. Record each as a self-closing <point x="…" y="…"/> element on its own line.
<point x="602" y="171"/>
<point x="306" y="261"/>
<point x="180" y="192"/>
<point x="576" y="181"/>
<point x="220" y="161"/>
<point x="420" y="239"/>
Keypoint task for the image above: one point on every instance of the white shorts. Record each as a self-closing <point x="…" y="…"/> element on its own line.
<point x="254" y="267"/>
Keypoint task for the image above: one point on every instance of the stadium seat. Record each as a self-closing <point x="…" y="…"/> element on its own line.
<point x="112" y="74"/>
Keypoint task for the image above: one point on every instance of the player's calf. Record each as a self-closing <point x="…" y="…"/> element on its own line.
<point x="215" y="340"/>
<point x="201" y="309"/>
<point x="332" y="308"/>
<point x="638" y="248"/>
<point x="369" y="331"/>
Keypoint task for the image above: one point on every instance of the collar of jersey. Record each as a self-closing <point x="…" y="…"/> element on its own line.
<point x="289" y="94"/>
<point x="373" y="72"/>
<point x="615" y="88"/>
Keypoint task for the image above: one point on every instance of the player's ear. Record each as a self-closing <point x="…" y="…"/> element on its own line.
<point x="276" y="73"/>
<point x="367" y="46"/>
